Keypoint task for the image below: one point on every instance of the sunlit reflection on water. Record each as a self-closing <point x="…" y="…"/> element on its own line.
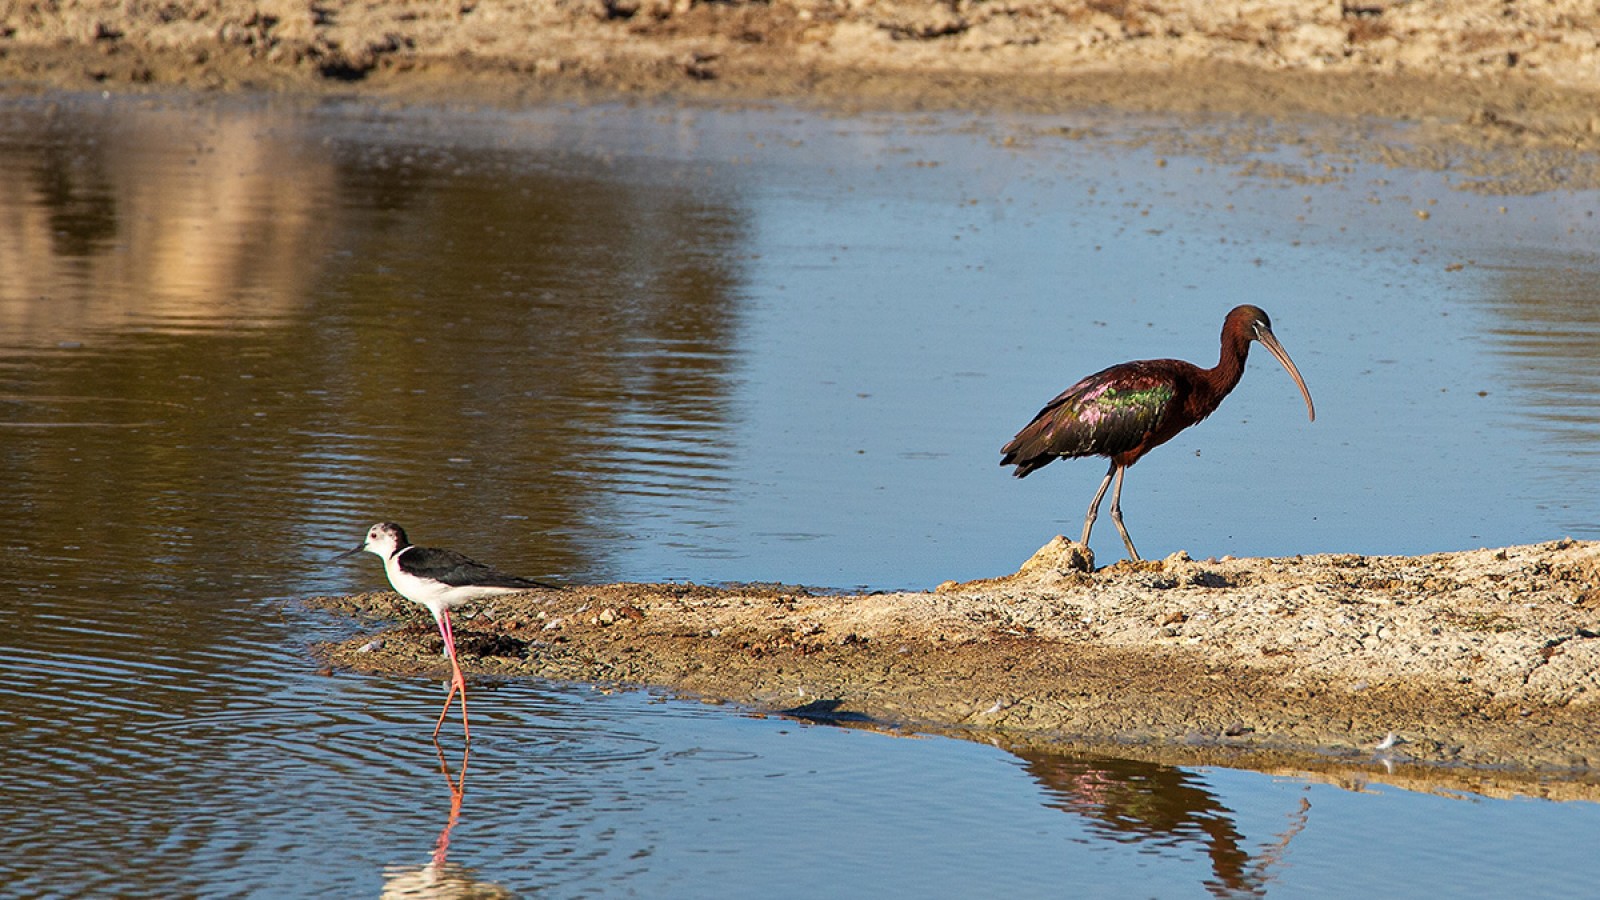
<point x="581" y="344"/>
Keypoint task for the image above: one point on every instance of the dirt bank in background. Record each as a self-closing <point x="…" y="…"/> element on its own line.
<point x="1484" y="659"/>
<point x="1474" y="71"/>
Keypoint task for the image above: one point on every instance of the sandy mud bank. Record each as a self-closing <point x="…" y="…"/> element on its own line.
<point x="1488" y="659"/>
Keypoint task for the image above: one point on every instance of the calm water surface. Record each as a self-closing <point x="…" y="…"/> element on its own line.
<point x="659" y="343"/>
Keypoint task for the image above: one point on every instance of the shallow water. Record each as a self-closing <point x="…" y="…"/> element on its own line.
<point x="659" y="343"/>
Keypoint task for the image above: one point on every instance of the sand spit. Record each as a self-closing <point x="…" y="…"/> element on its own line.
<point x="1453" y="665"/>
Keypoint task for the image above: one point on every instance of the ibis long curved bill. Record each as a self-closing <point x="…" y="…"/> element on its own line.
<point x="1270" y="341"/>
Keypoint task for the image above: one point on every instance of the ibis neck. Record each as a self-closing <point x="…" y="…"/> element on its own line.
<point x="1230" y="366"/>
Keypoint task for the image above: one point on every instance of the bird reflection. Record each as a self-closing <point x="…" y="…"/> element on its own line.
<point x="439" y="879"/>
<point x="1128" y="800"/>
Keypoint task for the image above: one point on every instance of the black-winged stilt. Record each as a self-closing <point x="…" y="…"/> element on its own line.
<point x="440" y="580"/>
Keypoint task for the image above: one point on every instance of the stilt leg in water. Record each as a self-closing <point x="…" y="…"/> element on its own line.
<point x="1116" y="512"/>
<point x="458" y="683"/>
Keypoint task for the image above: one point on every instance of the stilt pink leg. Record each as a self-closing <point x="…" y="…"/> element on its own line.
<point x="458" y="683"/>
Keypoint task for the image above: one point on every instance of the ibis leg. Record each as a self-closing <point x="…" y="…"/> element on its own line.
<point x="1116" y="512"/>
<point x="1094" y="506"/>
<point x="458" y="683"/>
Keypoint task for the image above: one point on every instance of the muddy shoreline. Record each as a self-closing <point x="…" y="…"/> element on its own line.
<point x="1468" y="75"/>
<point x="1481" y="666"/>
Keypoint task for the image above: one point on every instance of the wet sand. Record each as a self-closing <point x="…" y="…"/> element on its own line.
<point x="1486" y="660"/>
<point x="1480" y="664"/>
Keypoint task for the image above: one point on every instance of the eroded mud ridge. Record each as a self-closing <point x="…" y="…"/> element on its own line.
<point x="1487" y="658"/>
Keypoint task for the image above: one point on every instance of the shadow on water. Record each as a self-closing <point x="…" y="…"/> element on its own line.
<point x="830" y="712"/>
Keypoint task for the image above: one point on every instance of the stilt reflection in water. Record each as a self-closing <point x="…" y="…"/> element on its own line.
<point x="440" y="879"/>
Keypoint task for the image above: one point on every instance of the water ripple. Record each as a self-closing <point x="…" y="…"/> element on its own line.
<point x="460" y="320"/>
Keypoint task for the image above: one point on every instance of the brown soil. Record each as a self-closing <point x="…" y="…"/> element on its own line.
<point x="1469" y="73"/>
<point x="1484" y="659"/>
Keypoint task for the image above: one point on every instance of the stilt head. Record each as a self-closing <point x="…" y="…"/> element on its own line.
<point x="383" y="539"/>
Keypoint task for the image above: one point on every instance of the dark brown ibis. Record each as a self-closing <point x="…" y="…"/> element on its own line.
<point x="1129" y="409"/>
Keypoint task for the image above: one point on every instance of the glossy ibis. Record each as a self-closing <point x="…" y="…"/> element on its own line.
<point x="440" y="580"/>
<point x="1127" y="410"/>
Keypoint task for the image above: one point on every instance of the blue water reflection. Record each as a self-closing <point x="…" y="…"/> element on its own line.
<point x="667" y="343"/>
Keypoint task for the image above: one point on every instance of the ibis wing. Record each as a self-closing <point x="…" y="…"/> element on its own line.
<point x="1108" y="413"/>
<point x="455" y="569"/>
